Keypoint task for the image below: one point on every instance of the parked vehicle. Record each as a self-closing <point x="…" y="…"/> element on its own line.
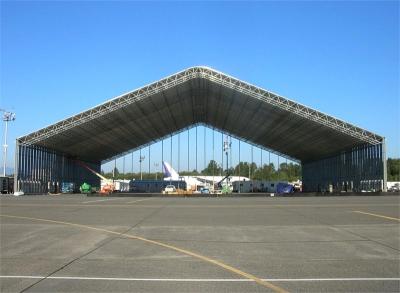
<point x="205" y="190"/>
<point x="169" y="189"/>
<point x="284" y="188"/>
<point x="394" y="188"/>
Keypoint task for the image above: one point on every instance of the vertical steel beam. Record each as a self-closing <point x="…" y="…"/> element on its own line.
<point x="251" y="165"/>
<point x="204" y="151"/>
<point x="123" y="166"/>
<point x="196" y="149"/>
<point x="16" y="165"/>
<point x="132" y="164"/>
<point x="384" y="165"/>
<point x="222" y="152"/>
<point x="29" y="177"/>
<point x="149" y="159"/>
<point x="171" y="152"/>
<point x="239" y="167"/>
<point x="213" y="154"/>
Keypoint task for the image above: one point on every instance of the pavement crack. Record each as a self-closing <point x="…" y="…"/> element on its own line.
<point x="94" y="249"/>
<point x="68" y="263"/>
<point x="145" y="218"/>
<point x="366" y="238"/>
<point x="341" y="228"/>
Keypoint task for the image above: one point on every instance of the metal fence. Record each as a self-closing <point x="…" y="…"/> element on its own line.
<point x="363" y="168"/>
<point x="42" y="170"/>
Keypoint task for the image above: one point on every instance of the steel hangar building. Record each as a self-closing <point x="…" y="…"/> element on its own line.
<point x="331" y="151"/>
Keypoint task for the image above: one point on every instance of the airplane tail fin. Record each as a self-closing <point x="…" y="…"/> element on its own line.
<point x="169" y="171"/>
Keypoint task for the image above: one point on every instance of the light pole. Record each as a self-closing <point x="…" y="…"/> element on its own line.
<point x="156" y="167"/>
<point x="115" y="169"/>
<point x="7" y="117"/>
<point x="227" y="146"/>
<point x="141" y="159"/>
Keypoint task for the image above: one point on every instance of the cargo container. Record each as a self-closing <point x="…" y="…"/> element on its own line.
<point x="7" y="185"/>
<point x="68" y="187"/>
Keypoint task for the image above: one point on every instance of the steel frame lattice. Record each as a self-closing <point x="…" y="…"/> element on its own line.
<point x="216" y="77"/>
<point x="243" y="139"/>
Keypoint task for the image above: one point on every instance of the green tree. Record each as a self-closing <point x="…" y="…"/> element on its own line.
<point x="212" y="169"/>
<point x="189" y="173"/>
<point x="266" y="172"/>
<point x="242" y="169"/>
<point x="393" y="169"/>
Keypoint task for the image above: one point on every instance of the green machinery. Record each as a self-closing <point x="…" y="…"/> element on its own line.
<point x="85" y="188"/>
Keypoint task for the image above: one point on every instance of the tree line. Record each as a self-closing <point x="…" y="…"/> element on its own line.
<point x="285" y="172"/>
<point x="393" y="169"/>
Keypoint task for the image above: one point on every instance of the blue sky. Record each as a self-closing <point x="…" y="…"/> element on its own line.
<point x="340" y="57"/>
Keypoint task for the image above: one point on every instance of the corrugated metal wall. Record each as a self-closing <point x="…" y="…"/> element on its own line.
<point x="358" y="169"/>
<point x="41" y="170"/>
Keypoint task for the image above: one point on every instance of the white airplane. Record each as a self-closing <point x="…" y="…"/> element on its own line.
<point x="194" y="182"/>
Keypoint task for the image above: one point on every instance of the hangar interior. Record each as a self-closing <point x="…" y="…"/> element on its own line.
<point x="331" y="151"/>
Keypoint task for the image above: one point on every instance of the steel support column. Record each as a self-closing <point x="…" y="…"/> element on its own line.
<point x="384" y="165"/>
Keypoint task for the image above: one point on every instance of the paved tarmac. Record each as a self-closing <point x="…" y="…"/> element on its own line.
<point x="74" y="243"/>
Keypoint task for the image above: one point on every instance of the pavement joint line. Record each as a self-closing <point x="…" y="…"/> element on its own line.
<point x="106" y="199"/>
<point x="376" y="215"/>
<point x="139" y="200"/>
<point x="261" y="206"/>
<point x="196" y="279"/>
<point x="229" y="268"/>
<point x="347" y="231"/>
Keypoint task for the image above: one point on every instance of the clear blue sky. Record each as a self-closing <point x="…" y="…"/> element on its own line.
<point x="341" y="57"/>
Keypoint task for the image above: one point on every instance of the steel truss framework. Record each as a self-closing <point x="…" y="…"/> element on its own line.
<point x="212" y="75"/>
<point x="243" y="139"/>
<point x="200" y="95"/>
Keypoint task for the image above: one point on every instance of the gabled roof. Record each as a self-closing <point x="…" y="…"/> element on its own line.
<point x="201" y="95"/>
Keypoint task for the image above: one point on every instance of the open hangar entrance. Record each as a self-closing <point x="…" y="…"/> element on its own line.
<point x="331" y="151"/>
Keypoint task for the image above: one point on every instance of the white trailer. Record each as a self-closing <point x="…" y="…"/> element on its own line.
<point x="256" y="186"/>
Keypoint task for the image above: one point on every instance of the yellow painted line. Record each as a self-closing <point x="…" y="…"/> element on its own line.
<point x="184" y="251"/>
<point x="379" y="216"/>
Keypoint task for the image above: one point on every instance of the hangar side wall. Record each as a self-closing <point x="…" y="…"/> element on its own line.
<point x="361" y="168"/>
<point x="42" y="170"/>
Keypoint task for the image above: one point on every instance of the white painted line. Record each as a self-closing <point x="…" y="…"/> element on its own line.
<point x="139" y="200"/>
<point x="198" y="280"/>
<point x="107" y="199"/>
<point x="333" y="279"/>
